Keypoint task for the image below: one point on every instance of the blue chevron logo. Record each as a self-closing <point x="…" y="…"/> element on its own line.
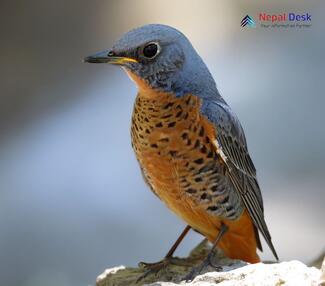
<point x="247" y="21"/>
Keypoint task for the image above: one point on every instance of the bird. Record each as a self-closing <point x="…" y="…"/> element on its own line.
<point x="190" y="145"/>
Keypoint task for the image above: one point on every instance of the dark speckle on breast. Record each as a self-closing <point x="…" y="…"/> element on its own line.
<point x="168" y="133"/>
<point x="171" y="124"/>
<point x="199" y="161"/>
<point x="191" y="191"/>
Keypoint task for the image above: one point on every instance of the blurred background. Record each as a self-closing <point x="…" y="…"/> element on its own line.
<point x="72" y="200"/>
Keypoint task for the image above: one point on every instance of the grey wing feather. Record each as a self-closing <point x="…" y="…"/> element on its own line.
<point x="241" y="171"/>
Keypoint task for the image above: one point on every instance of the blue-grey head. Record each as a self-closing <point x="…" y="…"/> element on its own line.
<point x="163" y="58"/>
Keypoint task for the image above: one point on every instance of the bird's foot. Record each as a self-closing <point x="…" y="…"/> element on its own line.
<point x="153" y="268"/>
<point x="206" y="263"/>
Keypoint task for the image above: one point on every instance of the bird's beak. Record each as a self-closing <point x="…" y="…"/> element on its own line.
<point x="105" y="57"/>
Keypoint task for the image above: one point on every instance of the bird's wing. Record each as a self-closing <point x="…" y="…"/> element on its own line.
<point x="230" y="143"/>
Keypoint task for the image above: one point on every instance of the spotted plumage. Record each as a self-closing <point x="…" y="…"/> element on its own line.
<point x="190" y="145"/>
<point x="169" y="131"/>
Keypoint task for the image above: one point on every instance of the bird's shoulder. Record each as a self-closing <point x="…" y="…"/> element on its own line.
<point x="229" y="135"/>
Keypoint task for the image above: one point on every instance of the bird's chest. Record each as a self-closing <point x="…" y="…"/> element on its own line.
<point x="170" y="143"/>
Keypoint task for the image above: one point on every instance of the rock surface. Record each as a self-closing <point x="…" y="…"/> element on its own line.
<point x="291" y="273"/>
<point x="232" y="272"/>
<point x="322" y="276"/>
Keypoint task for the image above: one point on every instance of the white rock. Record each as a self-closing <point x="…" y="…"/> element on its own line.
<point x="293" y="273"/>
<point x="322" y="276"/>
<point x="109" y="271"/>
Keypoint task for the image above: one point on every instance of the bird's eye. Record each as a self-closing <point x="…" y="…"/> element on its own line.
<point x="150" y="50"/>
<point x="111" y="54"/>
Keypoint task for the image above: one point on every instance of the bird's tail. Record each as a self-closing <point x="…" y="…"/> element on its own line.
<point x="240" y="242"/>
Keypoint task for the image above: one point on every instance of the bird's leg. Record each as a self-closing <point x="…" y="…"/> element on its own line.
<point x="157" y="266"/>
<point x="208" y="260"/>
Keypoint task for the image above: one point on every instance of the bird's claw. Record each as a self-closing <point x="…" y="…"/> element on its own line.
<point x="153" y="268"/>
<point x="197" y="270"/>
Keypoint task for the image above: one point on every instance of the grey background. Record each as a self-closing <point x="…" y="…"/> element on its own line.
<point x="72" y="200"/>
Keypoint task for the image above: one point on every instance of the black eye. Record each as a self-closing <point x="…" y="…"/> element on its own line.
<point x="111" y="54"/>
<point x="150" y="50"/>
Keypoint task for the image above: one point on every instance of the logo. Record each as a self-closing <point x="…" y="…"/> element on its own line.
<point x="248" y="21"/>
<point x="284" y="17"/>
<point x="278" y="20"/>
<point x="285" y="20"/>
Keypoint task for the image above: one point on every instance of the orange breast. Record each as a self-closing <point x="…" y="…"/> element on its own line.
<point x="238" y="243"/>
<point x="171" y="142"/>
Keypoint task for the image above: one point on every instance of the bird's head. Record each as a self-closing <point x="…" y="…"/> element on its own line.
<point x="159" y="57"/>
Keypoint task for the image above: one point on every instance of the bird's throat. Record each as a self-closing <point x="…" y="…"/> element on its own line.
<point x="144" y="89"/>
